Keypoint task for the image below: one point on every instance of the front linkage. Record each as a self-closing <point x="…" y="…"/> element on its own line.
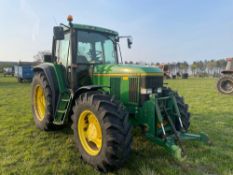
<point x="164" y="122"/>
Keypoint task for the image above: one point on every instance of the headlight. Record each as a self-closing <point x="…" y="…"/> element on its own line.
<point x="146" y="91"/>
<point x="159" y="90"/>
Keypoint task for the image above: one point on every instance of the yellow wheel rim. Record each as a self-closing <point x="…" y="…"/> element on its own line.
<point x="39" y="102"/>
<point x="89" y="132"/>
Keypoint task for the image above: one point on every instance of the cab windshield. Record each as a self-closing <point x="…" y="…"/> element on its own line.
<point x="94" y="48"/>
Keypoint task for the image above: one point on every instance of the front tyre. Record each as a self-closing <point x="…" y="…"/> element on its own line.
<point x="183" y="108"/>
<point x="42" y="102"/>
<point x="184" y="112"/>
<point x="102" y="131"/>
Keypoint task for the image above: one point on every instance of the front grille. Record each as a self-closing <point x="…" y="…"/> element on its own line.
<point x="133" y="90"/>
<point x="152" y="82"/>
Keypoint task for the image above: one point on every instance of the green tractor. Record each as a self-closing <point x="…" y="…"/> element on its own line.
<point x="85" y="81"/>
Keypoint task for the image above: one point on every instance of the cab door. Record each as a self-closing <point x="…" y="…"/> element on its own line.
<point x="63" y="56"/>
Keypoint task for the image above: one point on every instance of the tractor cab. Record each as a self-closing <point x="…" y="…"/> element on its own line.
<point x="80" y="48"/>
<point x="90" y="45"/>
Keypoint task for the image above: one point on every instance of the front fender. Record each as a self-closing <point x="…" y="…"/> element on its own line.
<point x="83" y="89"/>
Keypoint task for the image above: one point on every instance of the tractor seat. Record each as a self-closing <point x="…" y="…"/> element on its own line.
<point x="82" y="63"/>
<point x="82" y="59"/>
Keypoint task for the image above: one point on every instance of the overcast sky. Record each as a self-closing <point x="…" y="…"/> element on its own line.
<point x="162" y="30"/>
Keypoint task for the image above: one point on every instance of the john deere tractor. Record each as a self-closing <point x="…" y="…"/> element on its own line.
<point x="84" y="81"/>
<point x="225" y="82"/>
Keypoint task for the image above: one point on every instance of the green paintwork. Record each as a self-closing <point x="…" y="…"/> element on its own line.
<point x="125" y="69"/>
<point x="59" y="71"/>
<point x="103" y="73"/>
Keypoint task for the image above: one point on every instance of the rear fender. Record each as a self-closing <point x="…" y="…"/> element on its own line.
<point x="49" y="71"/>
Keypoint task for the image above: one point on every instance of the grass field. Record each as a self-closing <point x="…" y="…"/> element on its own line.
<point x="24" y="149"/>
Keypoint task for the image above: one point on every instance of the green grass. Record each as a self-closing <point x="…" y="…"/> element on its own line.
<point x="24" y="149"/>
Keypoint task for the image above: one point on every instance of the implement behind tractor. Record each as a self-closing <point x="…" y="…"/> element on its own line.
<point x="84" y="80"/>
<point x="23" y="71"/>
<point x="225" y="82"/>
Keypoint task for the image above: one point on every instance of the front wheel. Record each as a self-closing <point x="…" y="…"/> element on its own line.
<point x="184" y="112"/>
<point x="183" y="108"/>
<point x="102" y="131"/>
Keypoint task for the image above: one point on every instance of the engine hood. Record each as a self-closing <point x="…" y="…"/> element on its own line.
<point x="126" y="70"/>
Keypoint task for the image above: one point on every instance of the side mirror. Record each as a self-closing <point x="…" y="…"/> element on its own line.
<point x="48" y="58"/>
<point x="129" y="41"/>
<point x="117" y="39"/>
<point x="58" y="33"/>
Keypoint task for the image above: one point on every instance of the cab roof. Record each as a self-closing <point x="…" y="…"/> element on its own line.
<point x="94" y="28"/>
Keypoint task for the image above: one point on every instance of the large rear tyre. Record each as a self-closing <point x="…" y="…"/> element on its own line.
<point x="42" y="102"/>
<point x="102" y="131"/>
<point x="225" y="84"/>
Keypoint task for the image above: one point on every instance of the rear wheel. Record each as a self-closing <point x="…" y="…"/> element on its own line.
<point x="101" y="131"/>
<point x="42" y="102"/>
<point x="225" y="84"/>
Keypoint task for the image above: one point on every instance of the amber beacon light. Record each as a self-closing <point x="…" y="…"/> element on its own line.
<point x="70" y="18"/>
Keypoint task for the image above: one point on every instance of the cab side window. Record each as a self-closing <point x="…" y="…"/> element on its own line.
<point x="109" y="52"/>
<point x="63" y="50"/>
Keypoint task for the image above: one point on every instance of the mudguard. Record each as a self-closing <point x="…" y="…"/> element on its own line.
<point x="48" y="70"/>
<point x="87" y="88"/>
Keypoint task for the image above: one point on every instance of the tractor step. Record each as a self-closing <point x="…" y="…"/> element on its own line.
<point x="61" y="111"/>
<point x="65" y="100"/>
<point x="62" y="108"/>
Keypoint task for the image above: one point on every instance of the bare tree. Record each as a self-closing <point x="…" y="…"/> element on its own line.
<point x="39" y="57"/>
